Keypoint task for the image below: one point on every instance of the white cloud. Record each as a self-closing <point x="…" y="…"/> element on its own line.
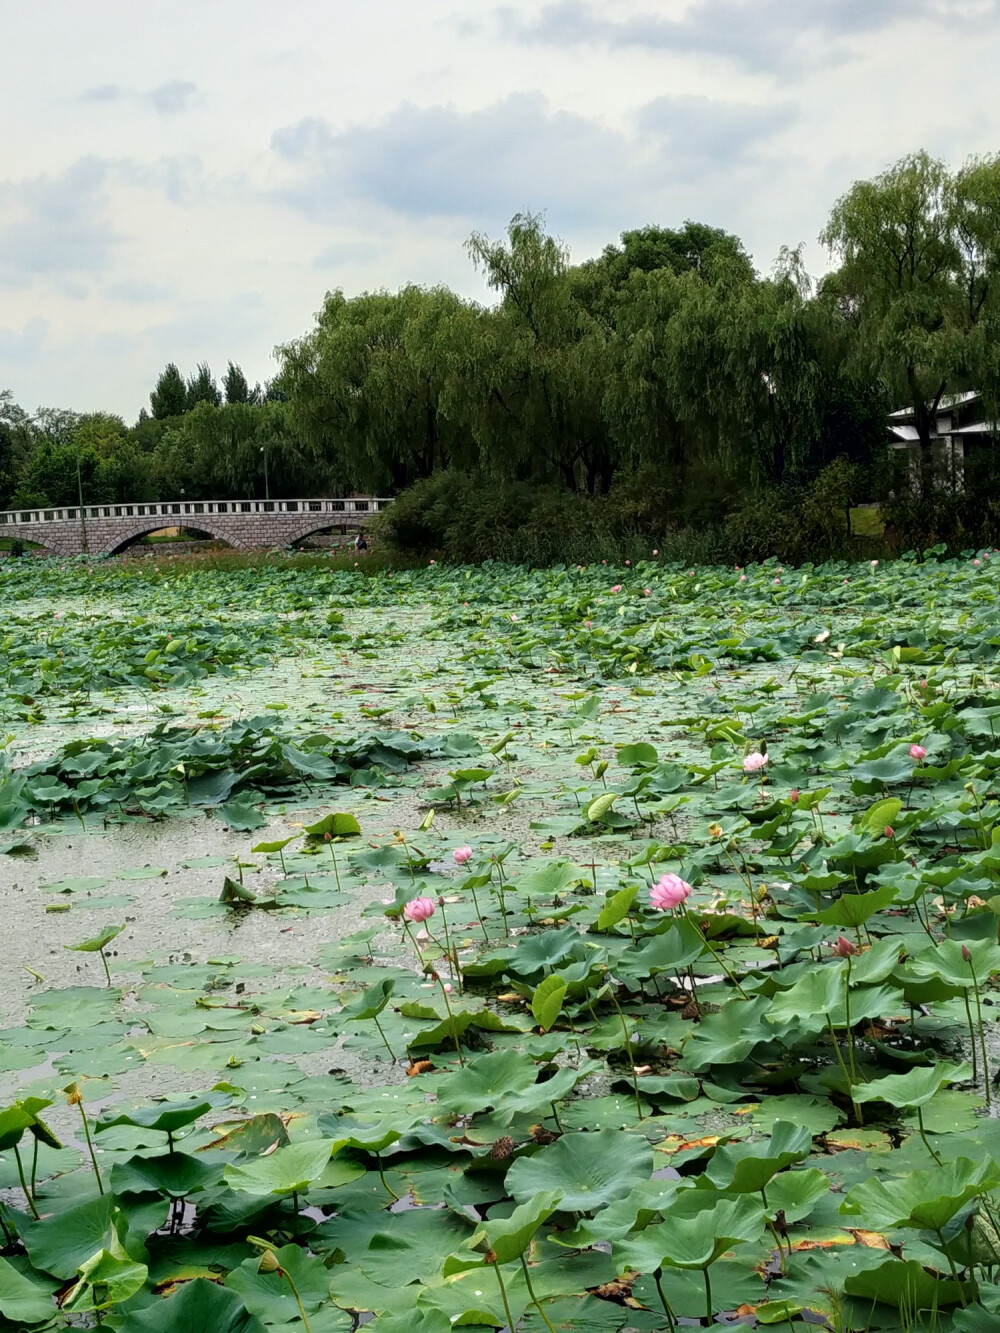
<point x="199" y="208"/>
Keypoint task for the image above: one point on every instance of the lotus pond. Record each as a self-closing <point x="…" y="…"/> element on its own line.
<point x="593" y="949"/>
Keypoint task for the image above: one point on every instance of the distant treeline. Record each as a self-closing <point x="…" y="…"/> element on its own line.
<point x="665" y="375"/>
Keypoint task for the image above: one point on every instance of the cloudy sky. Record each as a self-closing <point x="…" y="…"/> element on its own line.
<point x="184" y="181"/>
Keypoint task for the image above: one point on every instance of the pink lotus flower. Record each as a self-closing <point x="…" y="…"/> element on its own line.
<point x="432" y="562"/>
<point x="645" y="592"/>
<point x="777" y="580"/>
<point x="743" y="578"/>
<point x="419" y="909"/>
<point x="690" y="573"/>
<point x="753" y="763"/>
<point x="656" y="553"/>
<point x="844" y="947"/>
<point x="628" y="562"/>
<point x="917" y="752"/>
<point x="617" y="588"/>
<point x="461" y="855"/>
<point x="588" y="623"/>
<point x="669" y="892"/>
<point x="794" y="795"/>
<point x="888" y="831"/>
<point x="975" y="562"/>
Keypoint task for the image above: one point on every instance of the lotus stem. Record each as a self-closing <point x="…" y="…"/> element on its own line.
<point x="381" y="1175"/>
<point x="843" y="1069"/>
<point x="479" y="914"/>
<point x="671" y="1317"/>
<point x="628" y="1052"/>
<point x="951" y="1265"/>
<point x="90" y="1148"/>
<point x="847" y="1023"/>
<point x="24" y="1184"/>
<point x="534" y="1298"/>
<point x="385" y="1040"/>
<point x="452" y="955"/>
<point x="709" y="1303"/>
<point x="298" y="1299"/>
<point x="503" y="1297"/>
<point x="923" y="1135"/>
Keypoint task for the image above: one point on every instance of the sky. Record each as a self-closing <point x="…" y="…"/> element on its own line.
<point x="184" y="182"/>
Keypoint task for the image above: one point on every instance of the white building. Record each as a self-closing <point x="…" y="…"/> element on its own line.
<point x="960" y="431"/>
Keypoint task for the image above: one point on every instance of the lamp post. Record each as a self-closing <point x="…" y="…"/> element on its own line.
<point x="79" y="492"/>
<point x="267" y="485"/>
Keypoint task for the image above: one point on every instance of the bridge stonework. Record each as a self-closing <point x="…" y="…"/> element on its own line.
<point x="243" y="524"/>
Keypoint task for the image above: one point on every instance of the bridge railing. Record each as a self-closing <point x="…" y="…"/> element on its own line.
<point x="176" y="510"/>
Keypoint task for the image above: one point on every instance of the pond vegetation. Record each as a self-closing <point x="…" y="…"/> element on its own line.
<point x="596" y="948"/>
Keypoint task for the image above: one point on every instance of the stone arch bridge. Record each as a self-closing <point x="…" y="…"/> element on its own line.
<point x="243" y="524"/>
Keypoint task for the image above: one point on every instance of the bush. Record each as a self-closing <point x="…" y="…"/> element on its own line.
<point x="466" y="518"/>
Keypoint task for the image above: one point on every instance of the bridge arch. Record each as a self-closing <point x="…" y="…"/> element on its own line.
<point x="311" y="525"/>
<point x="121" y="541"/>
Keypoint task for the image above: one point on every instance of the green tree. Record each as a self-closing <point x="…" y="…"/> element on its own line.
<point x="202" y="388"/>
<point x="17" y="437"/>
<point x="919" y="252"/>
<point x="534" y="376"/>
<point x="234" y="385"/>
<point x="364" y="387"/>
<point x="169" y="398"/>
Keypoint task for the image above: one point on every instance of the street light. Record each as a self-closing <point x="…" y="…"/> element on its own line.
<point x="267" y="485"/>
<point x="79" y="492"/>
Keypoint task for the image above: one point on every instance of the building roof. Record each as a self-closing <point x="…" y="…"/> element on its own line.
<point x="948" y="401"/>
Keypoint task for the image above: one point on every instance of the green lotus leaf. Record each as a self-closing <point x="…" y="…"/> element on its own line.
<point x="278" y="846"/>
<point x="485" y="1081"/>
<point x="337" y="824"/>
<point x="240" y="815"/>
<point x="946" y="962"/>
<point x="729" y="1036"/>
<point x="547" y="1001"/>
<point x="370" y="1003"/>
<point x="23" y="1299"/>
<point x="927" y="1200"/>
<point x="589" y="1170"/>
<point x="616" y="908"/>
<point x="747" y="1167"/>
<point x="23" y="1116"/>
<point x="109" y="1277"/>
<point x="504" y="1241"/>
<point x="907" y="1285"/>
<point x="668" y="951"/>
<point x="98" y="942"/>
<point x="168" y="1115"/>
<point x="176" y="1174"/>
<point x="699" y="1229"/>
<point x="60" y="1243"/>
<point x="288" y="1170"/>
<point x="269" y="1296"/>
<point x="197" y="1307"/>
<point x="854" y="909"/>
<point x="796" y="1193"/>
<point x="914" y="1088"/>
